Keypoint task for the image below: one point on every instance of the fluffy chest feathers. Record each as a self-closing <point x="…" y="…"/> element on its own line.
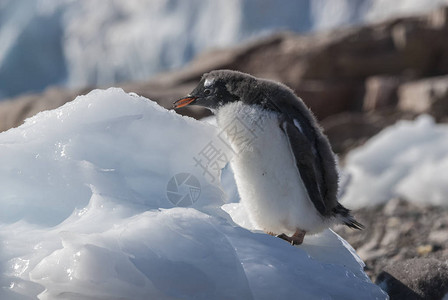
<point x="268" y="180"/>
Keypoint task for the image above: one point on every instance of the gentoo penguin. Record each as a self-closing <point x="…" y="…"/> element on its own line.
<point x="284" y="167"/>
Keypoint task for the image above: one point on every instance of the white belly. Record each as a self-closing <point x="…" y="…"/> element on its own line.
<point x="266" y="176"/>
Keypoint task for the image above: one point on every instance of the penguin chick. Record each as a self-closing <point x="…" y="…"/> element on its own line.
<point x="284" y="167"/>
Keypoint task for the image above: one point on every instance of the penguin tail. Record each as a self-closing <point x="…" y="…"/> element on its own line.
<point x="343" y="215"/>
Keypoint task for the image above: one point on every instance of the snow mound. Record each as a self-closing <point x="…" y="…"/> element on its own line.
<point x="408" y="159"/>
<point x="111" y="197"/>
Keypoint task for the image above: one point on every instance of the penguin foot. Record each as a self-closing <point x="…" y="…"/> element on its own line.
<point x="284" y="237"/>
<point x="295" y="239"/>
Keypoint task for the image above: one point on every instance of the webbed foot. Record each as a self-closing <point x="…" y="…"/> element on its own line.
<point x="295" y="239"/>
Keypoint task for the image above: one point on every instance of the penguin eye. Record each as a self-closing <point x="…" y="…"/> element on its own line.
<point x="207" y="92"/>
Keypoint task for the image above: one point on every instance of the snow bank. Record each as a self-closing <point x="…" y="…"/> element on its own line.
<point x="408" y="159"/>
<point x="105" y="198"/>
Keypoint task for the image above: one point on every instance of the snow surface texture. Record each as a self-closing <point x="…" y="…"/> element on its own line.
<point x="85" y="43"/>
<point x="88" y="212"/>
<point x="408" y="159"/>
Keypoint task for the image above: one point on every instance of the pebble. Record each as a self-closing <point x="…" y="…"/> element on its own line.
<point x="425" y="249"/>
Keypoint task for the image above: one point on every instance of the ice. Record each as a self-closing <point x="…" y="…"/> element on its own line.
<point x="408" y="160"/>
<point x="86" y="214"/>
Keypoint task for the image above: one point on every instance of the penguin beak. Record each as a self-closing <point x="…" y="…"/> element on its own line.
<point x="184" y="102"/>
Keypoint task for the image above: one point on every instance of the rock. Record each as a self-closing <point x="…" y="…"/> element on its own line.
<point x="438" y="236"/>
<point x="394" y="207"/>
<point x="417" y="278"/>
<point x="14" y="112"/>
<point x="391" y="235"/>
<point x="381" y="91"/>
<point x="439" y="18"/>
<point x="327" y="98"/>
<point x="425" y="249"/>
<point x="425" y="96"/>
<point x="371" y="254"/>
<point x="348" y="130"/>
<point x="370" y="249"/>
<point x="397" y="231"/>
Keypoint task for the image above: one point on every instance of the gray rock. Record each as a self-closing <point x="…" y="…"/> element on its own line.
<point x="438" y="236"/>
<point x="417" y="278"/>
<point x="395" y="207"/>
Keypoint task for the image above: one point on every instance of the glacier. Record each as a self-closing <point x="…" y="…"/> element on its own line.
<point x="94" y="206"/>
<point x="98" y="43"/>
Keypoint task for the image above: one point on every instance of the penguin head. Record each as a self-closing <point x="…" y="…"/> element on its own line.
<point x="219" y="88"/>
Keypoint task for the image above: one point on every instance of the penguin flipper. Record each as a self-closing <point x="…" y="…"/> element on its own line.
<point x="306" y="164"/>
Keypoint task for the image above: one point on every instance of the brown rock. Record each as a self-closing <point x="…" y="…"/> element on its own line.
<point x="425" y="249"/>
<point x="425" y="96"/>
<point x="381" y="91"/>
<point x="14" y="112"/>
<point x="349" y="129"/>
<point x="439" y="18"/>
<point x="327" y="98"/>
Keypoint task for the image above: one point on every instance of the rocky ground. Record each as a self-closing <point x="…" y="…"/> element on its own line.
<point x="397" y="231"/>
<point x="405" y="245"/>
